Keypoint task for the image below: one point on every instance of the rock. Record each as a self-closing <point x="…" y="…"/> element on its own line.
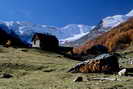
<point x="59" y="56"/>
<point x="111" y="79"/>
<point x="6" y="75"/>
<point x="24" y="50"/>
<point x="8" y="40"/>
<point x="122" y="72"/>
<point x="78" y="79"/>
<point x="105" y="63"/>
<point x="8" y="43"/>
<point x="130" y="61"/>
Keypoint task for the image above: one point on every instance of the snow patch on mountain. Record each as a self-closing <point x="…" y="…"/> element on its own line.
<point x="113" y="21"/>
<point x="77" y="30"/>
<point x="26" y="30"/>
<point x="110" y="22"/>
<point x="75" y="37"/>
<point x="130" y="13"/>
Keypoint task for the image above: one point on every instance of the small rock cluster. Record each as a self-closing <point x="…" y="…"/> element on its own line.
<point x="6" y="75"/>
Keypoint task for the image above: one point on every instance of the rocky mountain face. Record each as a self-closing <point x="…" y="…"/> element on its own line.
<point x="105" y="25"/>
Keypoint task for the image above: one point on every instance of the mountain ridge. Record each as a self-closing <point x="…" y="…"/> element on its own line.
<point x="69" y="35"/>
<point x="117" y="38"/>
<point x="26" y="30"/>
<point x="104" y="25"/>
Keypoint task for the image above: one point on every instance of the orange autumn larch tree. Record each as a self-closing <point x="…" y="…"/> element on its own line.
<point x="117" y="38"/>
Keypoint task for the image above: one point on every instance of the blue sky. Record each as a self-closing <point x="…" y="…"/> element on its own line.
<point x="62" y="12"/>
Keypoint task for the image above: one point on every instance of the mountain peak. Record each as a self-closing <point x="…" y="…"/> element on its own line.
<point x="130" y="13"/>
<point x="113" y="21"/>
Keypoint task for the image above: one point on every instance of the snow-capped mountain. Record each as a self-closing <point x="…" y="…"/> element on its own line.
<point x="25" y="30"/>
<point x="73" y="34"/>
<point x="105" y="25"/>
<point x="112" y="21"/>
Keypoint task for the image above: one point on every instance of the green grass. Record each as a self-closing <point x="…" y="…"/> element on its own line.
<point x="36" y="69"/>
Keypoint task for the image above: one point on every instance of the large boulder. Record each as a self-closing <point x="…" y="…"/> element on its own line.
<point x="105" y="63"/>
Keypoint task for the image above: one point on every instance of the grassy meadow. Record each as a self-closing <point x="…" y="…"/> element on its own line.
<point x="36" y="69"/>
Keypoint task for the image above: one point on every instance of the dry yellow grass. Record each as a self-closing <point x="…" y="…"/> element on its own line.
<point x="36" y="69"/>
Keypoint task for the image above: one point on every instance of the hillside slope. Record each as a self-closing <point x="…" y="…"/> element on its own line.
<point x="119" y="37"/>
<point x="105" y="25"/>
<point x="36" y="69"/>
